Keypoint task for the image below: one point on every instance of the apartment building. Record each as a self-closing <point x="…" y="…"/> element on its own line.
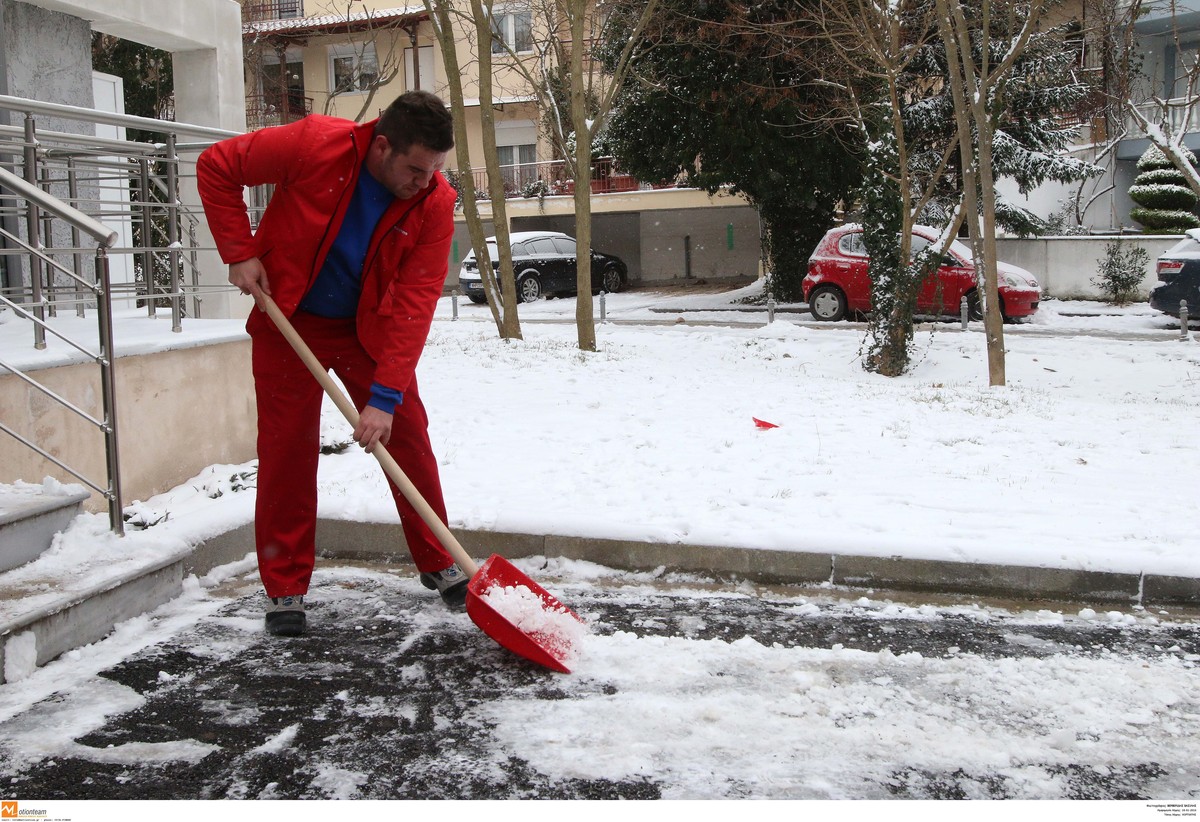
<point x="350" y="59"/>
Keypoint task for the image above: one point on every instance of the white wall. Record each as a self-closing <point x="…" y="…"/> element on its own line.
<point x="1065" y="266"/>
<point x="108" y="91"/>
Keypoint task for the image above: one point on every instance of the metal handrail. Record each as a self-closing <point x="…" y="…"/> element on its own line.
<point x="97" y="230"/>
<point x="40" y="205"/>
<point x="89" y="115"/>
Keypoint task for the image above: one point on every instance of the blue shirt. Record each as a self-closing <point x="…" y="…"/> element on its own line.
<point x="336" y="290"/>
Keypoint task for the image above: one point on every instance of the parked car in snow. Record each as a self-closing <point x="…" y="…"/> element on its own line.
<point x="837" y="282"/>
<point x="1179" y="276"/>
<point x="544" y="264"/>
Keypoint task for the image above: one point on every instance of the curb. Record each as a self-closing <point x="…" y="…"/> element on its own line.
<point x="45" y="634"/>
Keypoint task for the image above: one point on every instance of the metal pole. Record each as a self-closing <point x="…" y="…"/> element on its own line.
<point x="770" y="309"/>
<point x="76" y="237"/>
<point x="687" y="256"/>
<point x="108" y="394"/>
<point x="195" y="265"/>
<point x="964" y="311"/>
<point x="454" y="305"/>
<point x="47" y="231"/>
<point x="1183" y="320"/>
<point x="173" y="233"/>
<point x="31" y="227"/>
<point x="147" y="233"/>
<point x="603" y="310"/>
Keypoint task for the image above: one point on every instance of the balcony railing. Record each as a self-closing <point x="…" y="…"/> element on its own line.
<point x="275" y="109"/>
<point x="256" y="11"/>
<point x="1183" y="114"/>
<point x="552" y="178"/>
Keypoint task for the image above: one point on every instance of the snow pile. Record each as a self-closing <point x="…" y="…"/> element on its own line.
<point x="553" y="627"/>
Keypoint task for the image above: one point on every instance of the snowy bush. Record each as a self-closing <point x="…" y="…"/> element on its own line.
<point x="1121" y="272"/>
<point x="1165" y="202"/>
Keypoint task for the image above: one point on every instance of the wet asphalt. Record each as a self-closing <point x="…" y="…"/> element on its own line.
<point x="227" y="686"/>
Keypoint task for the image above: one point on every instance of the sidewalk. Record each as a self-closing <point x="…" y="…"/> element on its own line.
<point x="42" y="620"/>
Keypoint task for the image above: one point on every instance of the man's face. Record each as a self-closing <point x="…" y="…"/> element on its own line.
<point x="403" y="173"/>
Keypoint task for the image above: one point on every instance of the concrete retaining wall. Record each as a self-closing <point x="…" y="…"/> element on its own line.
<point x="1065" y="266"/>
<point x="178" y="412"/>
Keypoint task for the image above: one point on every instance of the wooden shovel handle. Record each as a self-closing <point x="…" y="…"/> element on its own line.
<point x="380" y="453"/>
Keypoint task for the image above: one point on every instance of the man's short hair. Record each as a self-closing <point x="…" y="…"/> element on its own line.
<point x="417" y="117"/>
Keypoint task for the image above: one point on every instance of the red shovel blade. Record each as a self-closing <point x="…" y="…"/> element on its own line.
<point x="519" y="614"/>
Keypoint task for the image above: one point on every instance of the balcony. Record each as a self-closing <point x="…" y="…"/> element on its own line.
<point x="275" y="109"/>
<point x="552" y="179"/>
<point x="258" y="11"/>
<point x="1183" y="114"/>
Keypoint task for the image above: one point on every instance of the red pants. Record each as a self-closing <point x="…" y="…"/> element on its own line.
<point x="289" y="419"/>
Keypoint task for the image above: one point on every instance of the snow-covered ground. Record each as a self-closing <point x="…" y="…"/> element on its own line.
<point x="1083" y="460"/>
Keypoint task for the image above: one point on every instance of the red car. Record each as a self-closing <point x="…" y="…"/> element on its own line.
<point x="837" y="282"/>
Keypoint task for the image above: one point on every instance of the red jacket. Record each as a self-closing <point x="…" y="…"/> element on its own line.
<point x="314" y="165"/>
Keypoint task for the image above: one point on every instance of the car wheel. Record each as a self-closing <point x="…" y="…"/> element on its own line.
<point x="477" y="299"/>
<point x="827" y="303"/>
<point x="529" y="288"/>
<point x="611" y="280"/>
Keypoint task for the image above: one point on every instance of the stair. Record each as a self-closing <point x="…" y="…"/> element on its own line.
<point x="30" y="516"/>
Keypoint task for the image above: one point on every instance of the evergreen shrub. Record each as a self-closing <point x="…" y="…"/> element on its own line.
<point x="1165" y="201"/>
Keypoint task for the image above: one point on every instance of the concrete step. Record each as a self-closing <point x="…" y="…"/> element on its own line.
<point x="30" y="516"/>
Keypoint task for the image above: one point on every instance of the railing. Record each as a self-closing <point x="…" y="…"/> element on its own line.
<point x="125" y="196"/>
<point x="256" y="11"/>
<point x="106" y="238"/>
<point x="276" y="109"/>
<point x="1183" y="114"/>
<point x="552" y="178"/>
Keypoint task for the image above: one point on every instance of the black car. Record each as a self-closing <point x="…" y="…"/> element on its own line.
<point x="1179" y="274"/>
<point x="544" y="264"/>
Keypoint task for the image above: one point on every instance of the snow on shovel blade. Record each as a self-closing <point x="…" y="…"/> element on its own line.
<point x="519" y="614"/>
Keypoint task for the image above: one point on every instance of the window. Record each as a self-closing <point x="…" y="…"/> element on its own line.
<point x="518" y="164"/>
<point x="565" y="246"/>
<point x="512" y="30"/>
<point x="353" y="68"/>
<point x="852" y="245"/>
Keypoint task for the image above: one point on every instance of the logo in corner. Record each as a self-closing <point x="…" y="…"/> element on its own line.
<point x="8" y="809"/>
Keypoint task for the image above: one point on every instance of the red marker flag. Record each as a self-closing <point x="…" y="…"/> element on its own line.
<point x="763" y="423"/>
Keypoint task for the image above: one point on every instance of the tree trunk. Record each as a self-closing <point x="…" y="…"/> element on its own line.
<point x="993" y="317"/>
<point x="510" y="323"/>
<point x="585" y="322"/>
<point x="444" y="32"/>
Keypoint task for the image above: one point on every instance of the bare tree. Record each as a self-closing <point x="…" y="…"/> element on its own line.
<point x="976" y="89"/>
<point x="508" y="326"/>
<point x="372" y="56"/>
<point x="570" y="31"/>
<point x="452" y="27"/>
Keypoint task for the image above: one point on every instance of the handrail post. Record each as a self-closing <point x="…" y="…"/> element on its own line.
<point x="76" y="236"/>
<point x="47" y="233"/>
<point x="194" y="265"/>
<point x="147" y="233"/>
<point x="108" y="393"/>
<point x="173" y="233"/>
<point x="31" y="226"/>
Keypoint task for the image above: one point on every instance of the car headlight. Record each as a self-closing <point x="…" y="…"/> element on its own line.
<point x="1017" y="281"/>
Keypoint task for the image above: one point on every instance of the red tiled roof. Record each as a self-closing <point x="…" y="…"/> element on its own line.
<point x="331" y="23"/>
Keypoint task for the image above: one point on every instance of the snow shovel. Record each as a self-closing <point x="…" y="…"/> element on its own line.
<point x="507" y="605"/>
